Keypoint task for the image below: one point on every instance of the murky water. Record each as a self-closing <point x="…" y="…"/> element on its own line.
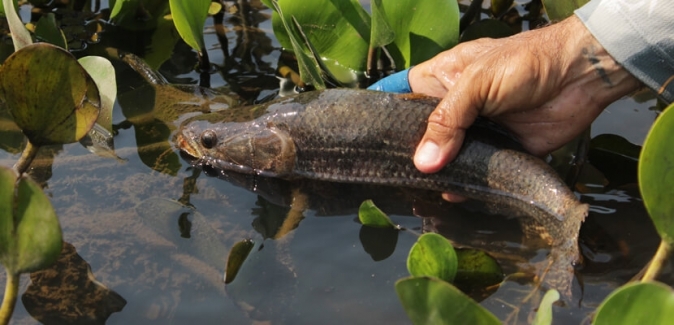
<point x="123" y="219"/>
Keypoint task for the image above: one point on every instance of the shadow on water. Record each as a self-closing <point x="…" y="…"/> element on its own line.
<point x="148" y="236"/>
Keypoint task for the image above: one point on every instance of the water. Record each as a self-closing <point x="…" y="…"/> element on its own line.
<point x="318" y="273"/>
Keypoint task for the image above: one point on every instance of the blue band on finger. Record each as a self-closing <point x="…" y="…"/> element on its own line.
<point x="395" y="83"/>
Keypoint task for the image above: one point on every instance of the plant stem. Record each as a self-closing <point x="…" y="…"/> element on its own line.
<point x="11" y="290"/>
<point x="658" y="260"/>
<point x="27" y="156"/>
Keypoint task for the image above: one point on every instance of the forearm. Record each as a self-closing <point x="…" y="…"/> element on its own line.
<point x="639" y="36"/>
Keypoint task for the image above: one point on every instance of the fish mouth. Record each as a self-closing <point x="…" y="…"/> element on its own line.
<point x="189" y="148"/>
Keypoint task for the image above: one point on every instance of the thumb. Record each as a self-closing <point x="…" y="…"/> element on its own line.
<point x="447" y="128"/>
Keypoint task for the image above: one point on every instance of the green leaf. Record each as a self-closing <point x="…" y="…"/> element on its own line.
<point x="46" y="30"/>
<point x="236" y="257"/>
<point x="189" y="17"/>
<point x="656" y="174"/>
<point x="2" y="8"/>
<point x="637" y="303"/>
<point x="432" y="301"/>
<point x="544" y="313"/>
<point x="103" y="74"/>
<point x="433" y="255"/>
<point x="20" y="35"/>
<point x="30" y="235"/>
<point x="51" y="97"/>
<point x="370" y="215"/>
<point x="338" y="29"/>
<point x="476" y="269"/>
<point x="381" y="33"/>
<point x="310" y="71"/>
<point x="559" y="10"/>
<point x="422" y="29"/>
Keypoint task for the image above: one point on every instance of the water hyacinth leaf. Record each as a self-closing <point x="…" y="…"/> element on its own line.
<point x="30" y="236"/>
<point x="103" y="74"/>
<point x="47" y="30"/>
<point x="433" y="255"/>
<point x="422" y="29"/>
<point x="2" y="7"/>
<point x="370" y="215"/>
<point x="339" y="31"/>
<point x="637" y="303"/>
<point x="656" y="174"/>
<point x="544" y="313"/>
<point x="20" y="35"/>
<point x="429" y="300"/>
<point x="379" y="243"/>
<point x="310" y="71"/>
<point x="381" y="33"/>
<point x="63" y="101"/>
<point x="214" y="8"/>
<point x="237" y="256"/>
<point x="475" y="268"/>
<point x="189" y="17"/>
<point x="559" y="10"/>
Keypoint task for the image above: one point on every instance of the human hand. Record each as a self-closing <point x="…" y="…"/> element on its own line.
<point x="546" y="86"/>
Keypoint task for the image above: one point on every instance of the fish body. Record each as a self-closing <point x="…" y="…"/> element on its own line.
<point x="361" y="136"/>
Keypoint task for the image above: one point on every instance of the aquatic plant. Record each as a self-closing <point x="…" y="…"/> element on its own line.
<point x="53" y="100"/>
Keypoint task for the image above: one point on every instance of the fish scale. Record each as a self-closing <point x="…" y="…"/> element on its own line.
<point x="361" y="136"/>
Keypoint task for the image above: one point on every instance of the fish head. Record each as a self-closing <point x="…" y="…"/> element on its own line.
<point x="249" y="147"/>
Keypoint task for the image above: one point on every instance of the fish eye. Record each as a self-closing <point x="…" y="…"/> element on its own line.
<point x="209" y="139"/>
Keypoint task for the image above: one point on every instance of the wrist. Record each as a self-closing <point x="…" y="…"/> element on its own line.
<point x="590" y="69"/>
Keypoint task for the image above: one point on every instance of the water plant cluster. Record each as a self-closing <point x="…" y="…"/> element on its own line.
<point x="55" y="98"/>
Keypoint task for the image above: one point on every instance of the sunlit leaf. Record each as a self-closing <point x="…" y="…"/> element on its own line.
<point x="189" y="17"/>
<point x="433" y="255"/>
<point x="558" y="10"/>
<point x="432" y="301"/>
<point x="544" y="313"/>
<point x="422" y="29"/>
<point x="637" y="303"/>
<point x="20" y="35"/>
<point x="656" y="174"/>
<point x="51" y="97"/>
<point x="236" y="257"/>
<point x="370" y="215"/>
<point x="48" y="31"/>
<point x="214" y="8"/>
<point x="476" y="269"/>
<point x="30" y="235"/>
<point x="339" y="30"/>
<point x="310" y="71"/>
<point x="103" y="74"/>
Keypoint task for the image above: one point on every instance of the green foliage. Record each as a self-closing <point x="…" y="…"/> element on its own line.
<point x="544" y="314"/>
<point x="61" y="106"/>
<point x="433" y="255"/>
<point x="236" y="257"/>
<point x="429" y="300"/>
<point x="2" y="7"/>
<point x="656" y="174"/>
<point x="189" y="17"/>
<point x="422" y="28"/>
<point x="46" y="30"/>
<point x="381" y="33"/>
<point x="637" y="303"/>
<point x="370" y="215"/>
<point x="30" y="235"/>
<point x="340" y="32"/>
<point x="558" y="10"/>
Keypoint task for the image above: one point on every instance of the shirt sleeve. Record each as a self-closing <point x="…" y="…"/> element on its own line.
<point x="639" y="35"/>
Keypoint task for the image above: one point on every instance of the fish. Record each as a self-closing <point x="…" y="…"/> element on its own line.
<point x="369" y="137"/>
